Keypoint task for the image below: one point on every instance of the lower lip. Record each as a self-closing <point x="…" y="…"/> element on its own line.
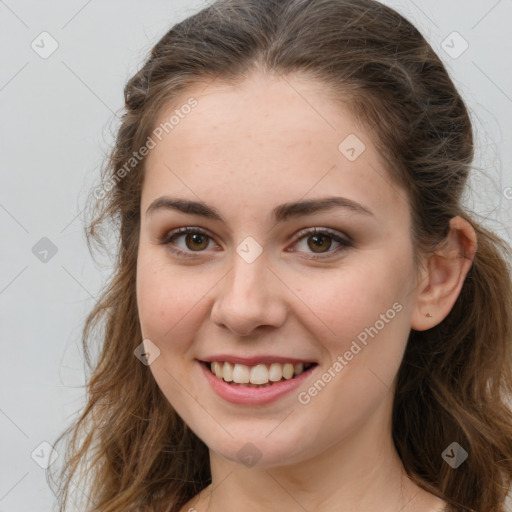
<point x="243" y="395"/>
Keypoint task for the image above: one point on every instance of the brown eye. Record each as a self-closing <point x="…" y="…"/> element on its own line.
<point x="196" y="241"/>
<point x="320" y="242"/>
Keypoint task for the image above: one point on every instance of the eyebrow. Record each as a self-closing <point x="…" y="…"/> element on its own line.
<point x="280" y="213"/>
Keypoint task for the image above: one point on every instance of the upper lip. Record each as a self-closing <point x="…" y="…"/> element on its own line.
<point x="254" y="360"/>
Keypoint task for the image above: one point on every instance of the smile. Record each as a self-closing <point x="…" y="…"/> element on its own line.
<point x="259" y="375"/>
<point x="288" y="378"/>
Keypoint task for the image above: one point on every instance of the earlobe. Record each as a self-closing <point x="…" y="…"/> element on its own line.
<point x="444" y="276"/>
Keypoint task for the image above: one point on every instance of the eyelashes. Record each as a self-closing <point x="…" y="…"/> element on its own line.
<point x="322" y="234"/>
<point x="199" y="236"/>
<point x="169" y="239"/>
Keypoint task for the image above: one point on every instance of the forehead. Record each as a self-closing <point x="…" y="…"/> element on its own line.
<point x="273" y="110"/>
<point x="268" y="139"/>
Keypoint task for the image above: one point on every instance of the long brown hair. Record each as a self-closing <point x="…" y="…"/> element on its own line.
<point x="129" y="449"/>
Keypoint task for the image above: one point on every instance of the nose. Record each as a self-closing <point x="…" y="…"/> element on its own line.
<point x="251" y="296"/>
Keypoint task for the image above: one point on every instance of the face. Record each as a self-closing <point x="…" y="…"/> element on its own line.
<point x="270" y="276"/>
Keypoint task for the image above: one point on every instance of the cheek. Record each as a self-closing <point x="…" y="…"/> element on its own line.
<point x="369" y="318"/>
<point x="378" y="320"/>
<point x="347" y="301"/>
<point x="171" y="303"/>
<point x="163" y="299"/>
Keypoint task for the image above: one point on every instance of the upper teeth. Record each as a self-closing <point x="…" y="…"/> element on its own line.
<point x="259" y="374"/>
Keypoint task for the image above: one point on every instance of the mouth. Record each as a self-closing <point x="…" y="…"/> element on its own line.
<point x="256" y="376"/>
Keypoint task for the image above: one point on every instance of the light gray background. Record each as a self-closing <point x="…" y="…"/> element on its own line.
<point x="57" y="119"/>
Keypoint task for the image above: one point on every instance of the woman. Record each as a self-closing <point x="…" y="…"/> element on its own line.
<point x="303" y="315"/>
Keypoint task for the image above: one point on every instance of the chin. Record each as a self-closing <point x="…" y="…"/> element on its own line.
<point x="255" y="447"/>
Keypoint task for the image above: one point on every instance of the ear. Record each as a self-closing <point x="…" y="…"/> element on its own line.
<point x="444" y="274"/>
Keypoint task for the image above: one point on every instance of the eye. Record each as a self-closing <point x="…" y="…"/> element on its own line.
<point x="321" y="242"/>
<point x="196" y="240"/>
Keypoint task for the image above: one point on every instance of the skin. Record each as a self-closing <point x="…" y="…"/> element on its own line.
<point x="245" y="149"/>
